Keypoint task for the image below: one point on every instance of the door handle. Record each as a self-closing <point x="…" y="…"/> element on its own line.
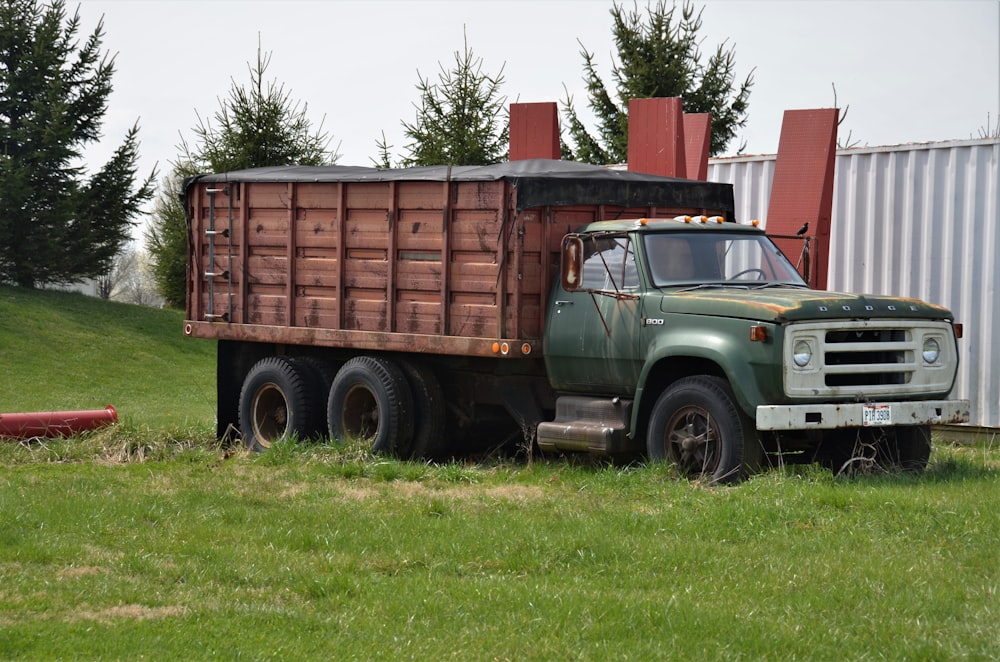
<point x="564" y="303"/>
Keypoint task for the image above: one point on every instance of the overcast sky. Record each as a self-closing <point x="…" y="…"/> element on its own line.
<point x="909" y="70"/>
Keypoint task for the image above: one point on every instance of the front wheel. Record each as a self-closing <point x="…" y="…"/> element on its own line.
<point x="907" y="449"/>
<point x="697" y="425"/>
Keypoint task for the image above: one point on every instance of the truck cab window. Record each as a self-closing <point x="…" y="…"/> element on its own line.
<point x="672" y="261"/>
<point x="610" y="265"/>
<point x="697" y="258"/>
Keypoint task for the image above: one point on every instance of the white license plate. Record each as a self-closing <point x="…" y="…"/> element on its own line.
<point x="876" y="415"/>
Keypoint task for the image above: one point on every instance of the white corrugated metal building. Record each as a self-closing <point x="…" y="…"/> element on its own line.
<point x="916" y="220"/>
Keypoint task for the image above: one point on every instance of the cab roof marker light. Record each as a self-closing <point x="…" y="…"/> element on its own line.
<point x="704" y="219"/>
<point x="755" y="222"/>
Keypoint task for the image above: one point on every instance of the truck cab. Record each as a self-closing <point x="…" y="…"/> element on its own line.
<point x="695" y="340"/>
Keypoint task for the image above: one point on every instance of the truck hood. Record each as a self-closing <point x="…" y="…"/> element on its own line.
<point x="788" y="304"/>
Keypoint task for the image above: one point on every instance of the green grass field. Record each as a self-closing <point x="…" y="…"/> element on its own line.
<point x="149" y="540"/>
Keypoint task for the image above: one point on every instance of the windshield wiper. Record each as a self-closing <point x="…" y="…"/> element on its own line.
<point x="708" y="286"/>
<point x="800" y="286"/>
<point x="741" y="286"/>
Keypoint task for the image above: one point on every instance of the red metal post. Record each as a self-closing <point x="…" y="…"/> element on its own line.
<point x="697" y="144"/>
<point x="534" y="131"/>
<point x="656" y="137"/>
<point x="802" y="191"/>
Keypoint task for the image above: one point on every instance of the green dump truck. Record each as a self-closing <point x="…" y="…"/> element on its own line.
<point x="438" y="311"/>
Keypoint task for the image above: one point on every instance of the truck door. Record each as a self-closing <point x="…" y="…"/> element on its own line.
<point x="592" y="334"/>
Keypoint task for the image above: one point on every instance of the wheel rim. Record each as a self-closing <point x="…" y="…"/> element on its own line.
<point x="693" y="441"/>
<point x="360" y="413"/>
<point x="270" y="414"/>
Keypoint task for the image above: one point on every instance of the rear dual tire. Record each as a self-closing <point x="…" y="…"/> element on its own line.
<point x="278" y="400"/>
<point x="370" y="399"/>
<point x="397" y="406"/>
<point x="429" y="442"/>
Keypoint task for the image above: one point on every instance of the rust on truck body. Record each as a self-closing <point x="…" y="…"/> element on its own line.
<point x="361" y="340"/>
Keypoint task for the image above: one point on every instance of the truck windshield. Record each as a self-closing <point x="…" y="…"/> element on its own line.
<point x="695" y="258"/>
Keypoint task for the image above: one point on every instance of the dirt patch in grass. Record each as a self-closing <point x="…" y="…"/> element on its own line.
<point x="129" y="612"/>
<point x="80" y="571"/>
<point x="295" y="489"/>
<point x="416" y="490"/>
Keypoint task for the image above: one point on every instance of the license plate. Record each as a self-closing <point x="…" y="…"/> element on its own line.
<point x="876" y="415"/>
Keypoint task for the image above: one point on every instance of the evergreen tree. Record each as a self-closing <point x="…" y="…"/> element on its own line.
<point x="256" y="126"/>
<point x="460" y="119"/>
<point x="659" y="55"/>
<point x="166" y="239"/>
<point x="56" y="225"/>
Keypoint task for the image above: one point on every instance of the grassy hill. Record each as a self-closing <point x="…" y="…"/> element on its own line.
<point x="62" y="351"/>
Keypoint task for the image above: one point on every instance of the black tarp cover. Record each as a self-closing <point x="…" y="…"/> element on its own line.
<point x="538" y="182"/>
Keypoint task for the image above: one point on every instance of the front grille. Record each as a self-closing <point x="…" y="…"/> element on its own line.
<point x="857" y="351"/>
<point x="868" y="379"/>
<point x="869" y="359"/>
<point x="865" y="335"/>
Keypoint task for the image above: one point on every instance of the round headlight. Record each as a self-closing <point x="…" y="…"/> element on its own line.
<point x="932" y="350"/>
<point x="803" y="354"/>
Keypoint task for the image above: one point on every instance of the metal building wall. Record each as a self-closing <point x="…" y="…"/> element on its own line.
<point x="751" y="177"/>
<point x="918" y="220"/>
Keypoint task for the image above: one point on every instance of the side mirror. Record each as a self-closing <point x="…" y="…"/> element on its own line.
<point x="571" y="263"/>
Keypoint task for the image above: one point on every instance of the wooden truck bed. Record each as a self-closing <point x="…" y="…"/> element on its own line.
<point x="444" y="260"/>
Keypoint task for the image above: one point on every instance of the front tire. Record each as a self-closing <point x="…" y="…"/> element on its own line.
<point x="276" y="402"/>
<point x="856" y="451"/>
<point x="370" y="399"/>
<point x="697" y="425"/>
<point x="906" y="449"/>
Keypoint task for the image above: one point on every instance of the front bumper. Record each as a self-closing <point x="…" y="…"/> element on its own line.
<point x="852" y="414"/>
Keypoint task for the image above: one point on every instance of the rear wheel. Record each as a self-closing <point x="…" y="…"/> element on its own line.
<point x="370" y="399"/>
<point x="276" y="401"/>
<point x="697" y="425"/>
<point x="428" y="411"/>
<point x="319" y="374"/>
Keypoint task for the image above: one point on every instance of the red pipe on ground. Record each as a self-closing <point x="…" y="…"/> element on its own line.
<point x="55" y="423"/>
